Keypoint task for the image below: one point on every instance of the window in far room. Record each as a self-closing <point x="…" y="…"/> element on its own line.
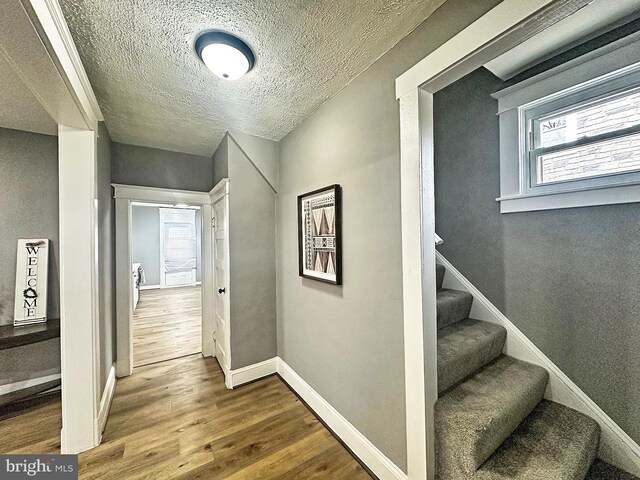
<point x="571" y="137"/>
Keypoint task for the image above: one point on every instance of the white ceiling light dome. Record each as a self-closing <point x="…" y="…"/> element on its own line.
<point x="224" y="54"/>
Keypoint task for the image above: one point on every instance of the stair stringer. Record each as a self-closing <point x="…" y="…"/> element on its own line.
<point x="616" y="447"/>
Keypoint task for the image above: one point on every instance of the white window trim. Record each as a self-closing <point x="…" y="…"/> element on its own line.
<point x="620" y="59"/>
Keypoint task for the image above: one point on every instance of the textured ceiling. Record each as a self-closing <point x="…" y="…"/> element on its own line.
<point x="153" y="91"/>
<point x="20" y="109"/>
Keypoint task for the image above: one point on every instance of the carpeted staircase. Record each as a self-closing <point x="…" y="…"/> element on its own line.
<point x="491" y="419"/>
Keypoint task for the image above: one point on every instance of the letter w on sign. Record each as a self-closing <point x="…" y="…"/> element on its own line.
<point x="31" y="282"/>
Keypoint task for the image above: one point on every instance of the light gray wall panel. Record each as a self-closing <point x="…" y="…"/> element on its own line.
<point x="265" y="154"/>
<point x="252" y="234"/>
<point x="28" y="209"/>
<point x="347" y="342"/>
<point x="151" y="167"/>
<point x="145" y="224"/>
<point x="569" y="279"/>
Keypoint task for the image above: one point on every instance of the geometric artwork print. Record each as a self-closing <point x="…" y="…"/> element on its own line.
<point x="320" y="233"/>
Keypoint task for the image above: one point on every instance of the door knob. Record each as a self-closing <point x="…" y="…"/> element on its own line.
<point x="222" y="290"/>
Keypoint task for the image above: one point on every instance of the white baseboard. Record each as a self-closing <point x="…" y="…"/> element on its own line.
<point x="360" y="445"/>
<point x="250" y="373"/>
<point x="107" y="398"/>
<point x="32" y="382"/>
<point x="616" y="447"/>
<point x="157" y="287"/>
<point x="124" y="369"/>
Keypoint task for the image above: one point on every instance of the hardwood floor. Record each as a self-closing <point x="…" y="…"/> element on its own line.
<point x="34" y="430"/>
<point x="177" y="420"/>
<point x="167" y="324"/>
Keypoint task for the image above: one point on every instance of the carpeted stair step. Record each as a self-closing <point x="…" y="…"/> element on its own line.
<point x="554" y="442"/>
<point x="476" y="416"/>
<point x="440" y="271"/>
<point x="603" y="471"/>
<point x="453" y="306"/>
<point x="465" y="347"/>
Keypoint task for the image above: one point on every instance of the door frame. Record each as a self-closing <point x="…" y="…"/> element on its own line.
<point x="124" y="196"/>
<point x="219" y="191"/>
<point x="502" y="28"/>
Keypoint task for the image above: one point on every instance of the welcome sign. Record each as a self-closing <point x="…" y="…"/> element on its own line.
<point x="31" y="282"/>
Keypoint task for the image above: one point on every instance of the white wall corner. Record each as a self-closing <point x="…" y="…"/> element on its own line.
<point x="79" y="346"/>
<point x="251" y="373"/>
<point x="420" y="388"/>
<point x="227" y="375"/>
<point x="616" y="447"/>
<point x="360" y="445"/>
<point x="107" y="398"/>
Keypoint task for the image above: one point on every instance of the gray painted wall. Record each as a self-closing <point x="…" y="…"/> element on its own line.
<point x="252" y="251"/>
<point x="264" y="154"/>
<point x="347" y="342"/>
<point x="145" y="224"/>
<point x="106" y="256"/>
<point x="569" y="279"/>
<point x="252" y="239"/>
<point x="151" y="167"/>
<point x="28" y="209"/>
<point x="221" y="161"/>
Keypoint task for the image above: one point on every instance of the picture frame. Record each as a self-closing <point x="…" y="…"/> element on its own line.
<point x="320" y="235"/>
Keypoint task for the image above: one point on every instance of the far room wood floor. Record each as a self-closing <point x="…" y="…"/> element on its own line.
<point x="167" y="323"/>
<point x="177" y="420"/>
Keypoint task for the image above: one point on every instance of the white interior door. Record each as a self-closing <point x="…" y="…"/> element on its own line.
<point x="222" y="335"/>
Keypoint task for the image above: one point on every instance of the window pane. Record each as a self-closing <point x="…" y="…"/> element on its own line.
<point x="180" y="248"/>
<point x="609" y="115"/>
<point x="608" y="157"/>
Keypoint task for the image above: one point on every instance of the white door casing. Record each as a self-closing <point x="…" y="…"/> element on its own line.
<point x="222" y="305"/>
<point x="125" y="195"/>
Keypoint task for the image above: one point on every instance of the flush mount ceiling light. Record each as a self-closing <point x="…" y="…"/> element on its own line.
<point x="224" y="54"/>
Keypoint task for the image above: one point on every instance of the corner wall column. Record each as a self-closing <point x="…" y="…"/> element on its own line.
<point x="418" y="280"/>
<point x="124" y="302"/>
<point x="79" y="295"/>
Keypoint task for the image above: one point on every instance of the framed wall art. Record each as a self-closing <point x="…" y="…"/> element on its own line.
<point x="320" y="235"/>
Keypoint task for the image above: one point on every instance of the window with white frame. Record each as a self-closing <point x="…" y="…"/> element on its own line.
<point x="571" y="137"/>
<point x="597" y="138"/>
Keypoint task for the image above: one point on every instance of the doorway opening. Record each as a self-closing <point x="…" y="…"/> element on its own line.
<point x="166" y="274"/>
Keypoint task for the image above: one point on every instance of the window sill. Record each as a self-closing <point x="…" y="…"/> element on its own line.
<point x="609" y="195"/>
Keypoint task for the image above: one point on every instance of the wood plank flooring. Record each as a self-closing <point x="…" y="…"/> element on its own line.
<point x="167" y="323"/>
<point x="177" y="420"/>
